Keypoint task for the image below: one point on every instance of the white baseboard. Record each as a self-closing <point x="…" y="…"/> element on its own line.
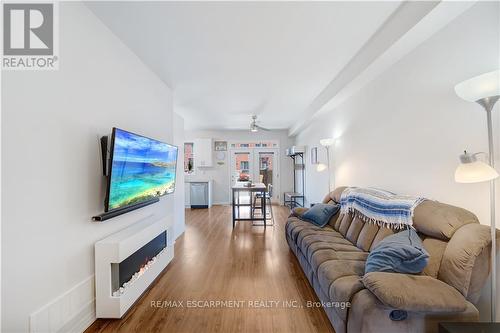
<point x="81" y="321"/>
<point x="214" y="204"/>
<point x="222" y="203"/>
<point x="72" y="311"/>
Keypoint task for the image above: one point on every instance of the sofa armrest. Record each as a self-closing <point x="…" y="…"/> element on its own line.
<point x="458" y="265"/>
<point x="298" y="211"/>
<point x="414" y="292"/>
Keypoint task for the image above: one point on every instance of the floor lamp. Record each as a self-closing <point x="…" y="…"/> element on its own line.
<point x="327" y="143"/>
<point x="484" y="90"/>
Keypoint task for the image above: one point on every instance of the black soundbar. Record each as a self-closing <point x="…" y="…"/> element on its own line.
<point x="108" y="215"/>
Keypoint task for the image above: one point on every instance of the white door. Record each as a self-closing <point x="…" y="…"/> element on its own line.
<point x="241" y="171"/>
<point x="260" y="165"/>
<point x="241" y="165"/>
<point x="266" y="169"/>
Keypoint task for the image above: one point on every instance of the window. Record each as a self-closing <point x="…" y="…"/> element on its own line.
<point x="244" y="166"/>
<point x="265" y="161"/>
<point x="255" y="144"/>
<point x="188" y="157"/>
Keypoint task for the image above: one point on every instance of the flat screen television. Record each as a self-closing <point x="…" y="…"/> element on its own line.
<point x="141" y="169"/>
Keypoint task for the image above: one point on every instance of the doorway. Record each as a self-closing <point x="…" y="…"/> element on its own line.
<point x="260" y="165"/>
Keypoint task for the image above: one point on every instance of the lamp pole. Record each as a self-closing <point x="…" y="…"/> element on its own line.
<point x="484" y="89"/>
<point x="327" y="143"/>
<point x="488" y="103"/>
<point x="328" y="164"/>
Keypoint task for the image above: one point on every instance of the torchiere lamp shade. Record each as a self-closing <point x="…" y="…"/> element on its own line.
<point x="479" y="87"/>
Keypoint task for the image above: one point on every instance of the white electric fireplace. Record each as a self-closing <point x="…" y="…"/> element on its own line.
<point x="127" y="262"/>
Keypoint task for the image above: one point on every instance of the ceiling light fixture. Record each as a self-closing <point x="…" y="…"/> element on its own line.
<point x="254" y="127"/>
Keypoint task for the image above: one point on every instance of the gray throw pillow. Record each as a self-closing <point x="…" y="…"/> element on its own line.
<point x="320" y="214"/>
<point x="402" y="252"/>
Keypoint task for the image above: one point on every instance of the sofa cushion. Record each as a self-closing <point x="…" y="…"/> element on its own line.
<point x="308" y="248"/>
<point x="330" y="271"/>
<point x="366" y="236"/>
<point x="323" y="255"/>
<point x="414" y="292"/>
<point x="320" y="214"/>
<point x="294" y="226"/>
<point x="435" y="247"/>
<point x="334" y="219"/>
<point x="354" y="229"/>
<point x="328" y="232"/>
<point x="382" y="233"/>
<point x="307" y="238"/>
<point x="400" y="253"/>
<point x="440" y="220"/>
<point x="345" y="224"/>
<point x="338" y="220"/>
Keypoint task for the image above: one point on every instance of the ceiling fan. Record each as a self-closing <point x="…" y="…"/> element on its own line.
<point x="254" y="127"/>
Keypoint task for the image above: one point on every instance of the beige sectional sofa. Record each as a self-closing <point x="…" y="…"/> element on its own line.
<point x="333" y="259"/>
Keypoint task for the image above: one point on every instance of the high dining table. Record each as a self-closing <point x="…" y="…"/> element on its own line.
<point x="236" y="204"/>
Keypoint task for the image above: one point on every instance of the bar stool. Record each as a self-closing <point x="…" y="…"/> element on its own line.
<point x="268" y="195"/>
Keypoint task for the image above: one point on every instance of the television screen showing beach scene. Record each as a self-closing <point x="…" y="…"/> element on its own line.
<point x="141" y="169"/>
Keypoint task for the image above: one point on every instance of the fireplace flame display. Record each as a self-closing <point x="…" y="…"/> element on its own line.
<point x="147" y="265"/>
<point x="129" y="270"/>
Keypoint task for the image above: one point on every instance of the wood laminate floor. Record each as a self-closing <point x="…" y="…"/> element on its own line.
<point x="250" y="265"/>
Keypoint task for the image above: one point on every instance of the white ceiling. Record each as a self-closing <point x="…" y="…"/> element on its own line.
<point x="228" y="60"/>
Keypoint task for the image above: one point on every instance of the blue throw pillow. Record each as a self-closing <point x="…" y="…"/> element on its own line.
<point x="402" y="252"/>
<point x="320" y="214"/>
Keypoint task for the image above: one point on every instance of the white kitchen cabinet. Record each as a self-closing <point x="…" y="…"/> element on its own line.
<point x="203" y="153"/>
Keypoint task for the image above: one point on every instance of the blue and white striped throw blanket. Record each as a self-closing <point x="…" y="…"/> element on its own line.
<point x="380" y="207"/>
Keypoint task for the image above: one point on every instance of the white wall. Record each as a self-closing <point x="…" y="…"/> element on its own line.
<point x="179" y="211"/>
<point x="405" y="130"/>
<point x="220" y="174"/>
<point x="51" y="166"/>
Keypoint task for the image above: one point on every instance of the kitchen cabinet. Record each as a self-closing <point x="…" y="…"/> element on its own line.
<point x="203" y="153"/>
